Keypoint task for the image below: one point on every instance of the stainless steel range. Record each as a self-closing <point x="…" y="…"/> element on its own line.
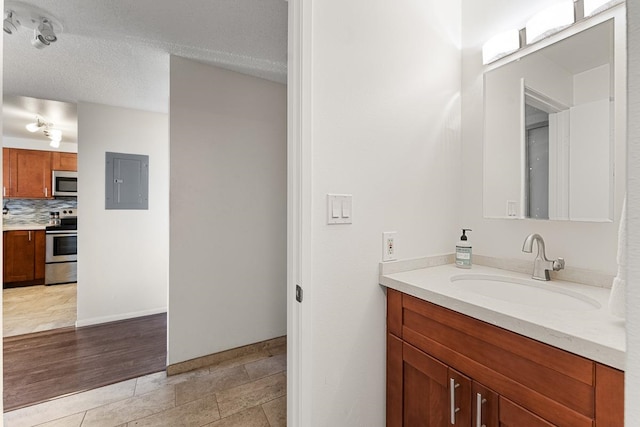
<point x="61" y="258"/>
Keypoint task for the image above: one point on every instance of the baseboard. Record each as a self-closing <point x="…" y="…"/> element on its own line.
<point x="116" y="317"/>
<point x="216" y="358"/>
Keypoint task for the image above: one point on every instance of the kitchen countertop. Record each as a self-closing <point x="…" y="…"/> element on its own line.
<point x="595" y="334"/>
<point x="18" y="227"/>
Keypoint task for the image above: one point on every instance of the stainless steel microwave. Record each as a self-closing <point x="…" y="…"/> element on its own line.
<point x="65" y="183"/>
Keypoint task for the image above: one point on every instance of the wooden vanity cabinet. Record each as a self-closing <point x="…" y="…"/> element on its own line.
<point x="445" y="368"/>
<point x="24" y="257"/>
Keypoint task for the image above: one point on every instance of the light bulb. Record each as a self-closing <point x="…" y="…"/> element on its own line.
<point x="549" y="21"/>
<point x="500" y="45"/>
<point x="54" y="143"/>
<point x="33" y="127"/>
<point x="55" y="134"/>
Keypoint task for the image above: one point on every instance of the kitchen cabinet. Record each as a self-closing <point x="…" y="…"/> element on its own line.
<point x="6" y="179"/>
<point x="445" y="368"/>
<point x="64" y="161"/>
<point x="24" y="257"/>
<point x="29" y="173"/>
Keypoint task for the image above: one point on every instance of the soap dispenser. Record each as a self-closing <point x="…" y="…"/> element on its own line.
<point x="463" y="251"/>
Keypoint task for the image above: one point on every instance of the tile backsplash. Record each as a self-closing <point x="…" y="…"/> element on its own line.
<point x="34" y="211"/>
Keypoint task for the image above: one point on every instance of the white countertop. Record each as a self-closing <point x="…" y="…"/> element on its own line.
<point x="17" y="227"/>
<point x="595" y="334"/>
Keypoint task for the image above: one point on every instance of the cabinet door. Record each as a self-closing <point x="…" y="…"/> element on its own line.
<point x="6" y="177"/>
<point x="30" y="173"/>
<point x="434" y="395"/>
<point x="19" y="247"/>
<point x="39" y="237"/>
<point x="64" y="161"/>
<point x="484" y="406"/>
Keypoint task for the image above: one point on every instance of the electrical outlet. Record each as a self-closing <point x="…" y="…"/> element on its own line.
<point x="388" y="246"/>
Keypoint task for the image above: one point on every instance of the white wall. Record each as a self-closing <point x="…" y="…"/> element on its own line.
<point x="385" y="128"/>
<point x="38" y="144"/>
<point x="122" y="254"/>
<point x="228" y="210"/>
<point x="632" y="380"/>
<point x="583" y="245"/>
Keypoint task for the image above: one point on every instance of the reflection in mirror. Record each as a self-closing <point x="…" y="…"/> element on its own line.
<point x="548" y="141"/>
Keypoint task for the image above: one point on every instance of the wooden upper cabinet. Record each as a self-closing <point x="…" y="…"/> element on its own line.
<point x="6" y="179"/>
<point x="27" y="173"/>
<point x="30" y="172"/>
<point x="64" y="161"/>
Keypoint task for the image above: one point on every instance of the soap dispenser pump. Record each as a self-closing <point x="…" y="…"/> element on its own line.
<point x="463" y="251"/>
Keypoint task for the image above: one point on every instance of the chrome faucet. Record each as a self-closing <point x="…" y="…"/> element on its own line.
<point x="541" y="265"/>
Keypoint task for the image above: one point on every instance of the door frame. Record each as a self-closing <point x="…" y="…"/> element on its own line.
<point x="299" y="217"/>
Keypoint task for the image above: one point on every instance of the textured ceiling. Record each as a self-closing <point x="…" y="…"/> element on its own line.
<point x="116" y="52"/>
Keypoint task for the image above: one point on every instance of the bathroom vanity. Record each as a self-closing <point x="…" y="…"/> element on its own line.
<point x="504" y="362"/>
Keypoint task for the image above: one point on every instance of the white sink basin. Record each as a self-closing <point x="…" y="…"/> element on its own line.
<point x="531" y="293"/>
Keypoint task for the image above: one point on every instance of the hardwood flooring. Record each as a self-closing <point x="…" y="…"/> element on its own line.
<point x="44" y="365"/>
<point x="38" y="308"/>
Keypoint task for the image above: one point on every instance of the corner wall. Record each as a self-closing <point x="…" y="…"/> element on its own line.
<point x="122" y="254"/>
<point x="228" y="210"/>
<point x="385" y="111"/>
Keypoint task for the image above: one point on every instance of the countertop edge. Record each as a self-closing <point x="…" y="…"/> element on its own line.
<point x="592" y="350"/>
<point x="19" y="227"/>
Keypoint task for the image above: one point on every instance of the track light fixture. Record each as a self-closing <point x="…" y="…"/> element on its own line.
<point x="43" y="35"/>
<point x="45" y="27"/>
<point x="11" y="23"/>
<point x="55" y="135"/>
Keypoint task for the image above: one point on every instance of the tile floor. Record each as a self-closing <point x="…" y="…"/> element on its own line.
<point x="38" y="308"/>
<point x="249" y="391"/>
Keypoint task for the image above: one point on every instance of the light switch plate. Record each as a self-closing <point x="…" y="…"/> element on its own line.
<point x="339" y="209"/>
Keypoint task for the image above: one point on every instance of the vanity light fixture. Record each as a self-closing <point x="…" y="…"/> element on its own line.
<point x="592" y="7"/>
<point x="544" y="24"/>
<point x="500" y="45"/>
<point x="549" y="21"/>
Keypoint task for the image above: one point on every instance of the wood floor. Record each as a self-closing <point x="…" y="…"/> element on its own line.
<point x="40" y="366"/>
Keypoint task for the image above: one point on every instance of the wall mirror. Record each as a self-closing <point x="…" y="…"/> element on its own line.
<point x="549" y="131"/>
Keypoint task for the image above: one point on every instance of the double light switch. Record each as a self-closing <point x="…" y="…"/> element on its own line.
<point x="339" y="209"/>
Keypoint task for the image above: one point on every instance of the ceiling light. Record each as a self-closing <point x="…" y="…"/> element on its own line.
<point x="55" y="135"/>
<point x="34" y="127"/>
<point x="549" y="21"/>
<point x="500" y="45"/>
<point x="46" y="28"/>
<point x="11" y="23"/>
<point x="43" y="35"/>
